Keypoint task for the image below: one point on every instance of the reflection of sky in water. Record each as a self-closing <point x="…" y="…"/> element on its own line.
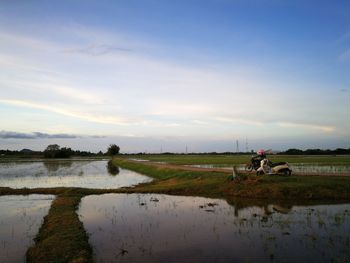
<point x="20" y="219"/>
<point x="182" y="229"/>
<point x="88" y="174"/>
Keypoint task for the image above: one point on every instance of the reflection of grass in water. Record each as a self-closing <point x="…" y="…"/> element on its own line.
<point x="320" y="221"/>
<point x="338" y="219"/>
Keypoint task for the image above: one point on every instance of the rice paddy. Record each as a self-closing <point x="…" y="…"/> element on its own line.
<point x="121" y="211"/>
<point x="20" y="219"/>
<point x="63" y="173"/>
<point x="163" y="228"/>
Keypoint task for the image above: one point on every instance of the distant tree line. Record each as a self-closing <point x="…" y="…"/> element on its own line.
<point x="24" y="152"/>
<point x="338" y="151"/>
<point x="55" y="151"/>
<point x="194" y="153"/>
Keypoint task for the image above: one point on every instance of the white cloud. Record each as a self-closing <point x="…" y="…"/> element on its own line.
<point x="104" y="78"/>
<point x="71" y="113"/>
<point x="323" y="128"/>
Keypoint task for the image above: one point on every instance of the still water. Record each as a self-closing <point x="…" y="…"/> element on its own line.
<point x="20" y="219"/>
<point x="296" y="168"/>
<point x="65" y="173"/>
<point x="314" y="168"/>
<point x="163" y="228"/>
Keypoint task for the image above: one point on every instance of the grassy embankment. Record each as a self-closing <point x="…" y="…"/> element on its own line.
<point x="170" y="180"/>
<point x="61" y="237"/>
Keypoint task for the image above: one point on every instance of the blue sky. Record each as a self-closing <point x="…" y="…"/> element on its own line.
<point x="165" y="74"/>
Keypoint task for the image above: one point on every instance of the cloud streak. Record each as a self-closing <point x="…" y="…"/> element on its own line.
<point x="42" y="135"/>
<point x="70" y="113"/>
<point x="322" y="128"/>
<point x="35" y="135"/>
<point x="97" y="50"/>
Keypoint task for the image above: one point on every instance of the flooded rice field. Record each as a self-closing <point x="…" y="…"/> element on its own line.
<point x="328" y="169"/>
<point x="296" y="168"/>
<point x="163" y="228"/>
<point x="67" y="173"/>
<point x="20" y="219"/>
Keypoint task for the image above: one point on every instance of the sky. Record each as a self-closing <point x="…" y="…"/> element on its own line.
<point x="159" y="75"/>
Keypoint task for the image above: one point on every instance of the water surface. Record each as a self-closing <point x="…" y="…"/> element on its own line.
<point x="67" y="173"/>
<point x="296" y="167"/>
<point x="20" y="219"/>
<point x="162" y="228"/>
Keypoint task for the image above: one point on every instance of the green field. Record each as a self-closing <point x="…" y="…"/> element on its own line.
<point x="173" y="180"/>
<point x="241" y="159"/>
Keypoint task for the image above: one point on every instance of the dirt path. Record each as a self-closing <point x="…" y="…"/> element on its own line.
<point x="184" y="167"/>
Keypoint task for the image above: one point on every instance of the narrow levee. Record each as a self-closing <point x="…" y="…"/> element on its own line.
<point x="62" y="237"/>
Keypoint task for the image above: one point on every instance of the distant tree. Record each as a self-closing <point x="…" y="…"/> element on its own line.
<point x="54" y="151"/>
<point x="64" y="153"/>
<point x="113" y="149"/>
<point x="51" y="150"/>
<point x="52" y="147"/>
